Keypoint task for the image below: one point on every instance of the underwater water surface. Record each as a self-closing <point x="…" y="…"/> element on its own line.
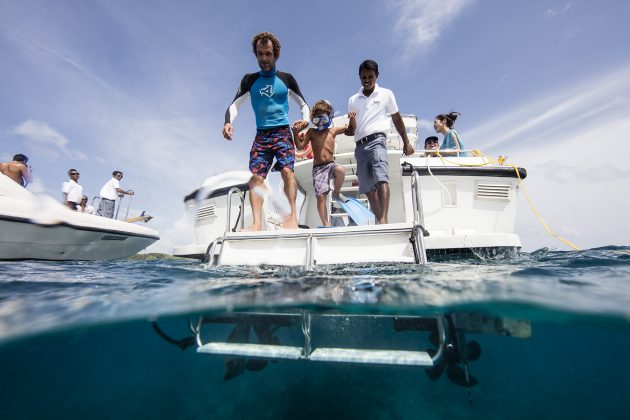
<point x="79" y="339"/>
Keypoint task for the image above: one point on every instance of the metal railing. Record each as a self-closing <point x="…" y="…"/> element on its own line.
<point x="233" y="191"/>
<point x="306" y="350"/>
<point x="418" y="231"/>
<point x="210" y="251"/>
<point x="120" y="201"/>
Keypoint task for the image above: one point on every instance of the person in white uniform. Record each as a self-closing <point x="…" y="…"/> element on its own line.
<point x="71" y="191"/>
<point x="110" y="191"/>
<point x="84" y="207"/>
<point x="374" y="106"/>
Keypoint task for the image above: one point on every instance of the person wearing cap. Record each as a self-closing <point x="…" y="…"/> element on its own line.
<point x="71" y="191"/>
<point x="110" y="191"/>
<point x="18" y="170"/>
<point x="374" y="106"/>
<point x="431" y="143"/>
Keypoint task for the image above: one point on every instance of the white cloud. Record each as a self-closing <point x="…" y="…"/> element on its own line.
<point x="164" y="134"/>
<point x="425" y="125"/>
<point x="38" y="187"/>
<point x="572" y="32"/>
<point x="558" y="172"/>
<point x="557" y="11"/>
<point x="571" y="143"/>
<point x="578" y="202"/>
<point x="172" y="233"/>
<point x="42" y="133"/>
<point x="420" y="23"/>
<point x="562" y="113"/>
<point x="72" y="62"/>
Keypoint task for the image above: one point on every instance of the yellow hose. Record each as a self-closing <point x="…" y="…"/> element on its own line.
<point x="501" y="160"/>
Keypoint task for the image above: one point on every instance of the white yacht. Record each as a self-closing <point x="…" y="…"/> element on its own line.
<point x="438" y="206"/>
<point x="40" y="228"/>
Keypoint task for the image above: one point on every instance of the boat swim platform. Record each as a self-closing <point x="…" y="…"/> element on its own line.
<point x="389" y="243"/>
<point x="305" y="344"/>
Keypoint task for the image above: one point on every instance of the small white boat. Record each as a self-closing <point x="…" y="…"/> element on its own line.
<point x="33" y="228"/>
<point x="438" y="206"/>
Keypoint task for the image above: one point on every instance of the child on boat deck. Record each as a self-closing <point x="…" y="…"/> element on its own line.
<point x="322" y="140"/>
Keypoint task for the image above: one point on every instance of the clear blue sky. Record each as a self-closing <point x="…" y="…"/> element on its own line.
<point x="142" y="87"/>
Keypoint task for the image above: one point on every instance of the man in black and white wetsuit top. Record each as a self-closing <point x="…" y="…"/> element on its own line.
<point x="269" y="92"/>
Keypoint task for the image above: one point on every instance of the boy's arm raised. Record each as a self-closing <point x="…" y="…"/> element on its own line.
<point x="352" y="124"/>
<point x="338" y="130"/>
<point x="301" y="139"/>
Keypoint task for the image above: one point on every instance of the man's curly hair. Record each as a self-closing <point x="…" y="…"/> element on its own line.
<point x="264" y="37"/>
<point x="321" y="107"/>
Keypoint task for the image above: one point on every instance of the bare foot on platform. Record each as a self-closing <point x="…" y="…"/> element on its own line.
<point x="252" y="228"/>
<point x="290" y="224"/>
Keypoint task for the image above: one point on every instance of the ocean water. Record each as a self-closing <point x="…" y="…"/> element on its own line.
<point x="79" y="340"/>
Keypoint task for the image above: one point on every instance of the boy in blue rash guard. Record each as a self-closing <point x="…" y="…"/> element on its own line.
<point x="269" y="92"/>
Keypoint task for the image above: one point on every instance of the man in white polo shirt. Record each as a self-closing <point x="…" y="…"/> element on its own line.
<point x="374" y="106"/>
<point x="71" y="190"/>
<point x="110" y="191"/>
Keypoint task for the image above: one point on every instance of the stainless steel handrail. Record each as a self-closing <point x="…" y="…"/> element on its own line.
<point x="442" y="337"/>
<point x="232" y="191"/>
<point x="307" y="348"/>
<point x="418" y="211"/>
<point x="228" y="224"/>
<point x="418" y="220"/>
<point x="306" y="332"/>
<point x="310" y="257"/>
<point x="210" y="250"/>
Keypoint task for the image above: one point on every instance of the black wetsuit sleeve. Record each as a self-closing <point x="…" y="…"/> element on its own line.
<point x="241" y="95"/>
<point x="295" y="93"/>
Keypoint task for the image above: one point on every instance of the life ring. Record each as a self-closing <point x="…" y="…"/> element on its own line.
<point x="303" y="154"/>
